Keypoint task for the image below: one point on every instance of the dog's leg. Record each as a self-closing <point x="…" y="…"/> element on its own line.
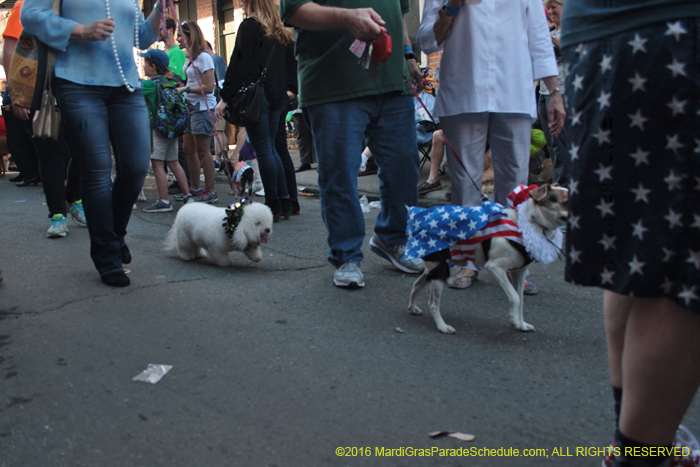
<point x="514" y="298"/>
<point x="220" y="258"/>
<point x="418" y="285"/>
<point x="254" y="254"/>
<point x="518" y="277"/>
<point x="185" y="248"/>
<point x="436" y="288"/>
<point x="142" y="196"/>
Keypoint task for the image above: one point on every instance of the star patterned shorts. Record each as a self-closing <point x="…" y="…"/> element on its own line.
<point x="634" y="125"/>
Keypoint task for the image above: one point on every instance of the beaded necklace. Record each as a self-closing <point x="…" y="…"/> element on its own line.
<point x="129" y="87"/>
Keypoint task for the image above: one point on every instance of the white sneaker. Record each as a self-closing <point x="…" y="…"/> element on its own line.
<point x="260" y="192"/>
<point x="349" y="276"/>
<point x="58" y="226"/>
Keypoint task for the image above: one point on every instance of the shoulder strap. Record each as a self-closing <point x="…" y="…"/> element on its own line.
<point x="267" y="64"/>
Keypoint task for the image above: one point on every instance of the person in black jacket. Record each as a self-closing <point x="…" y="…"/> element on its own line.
<point x="260" y="35"/>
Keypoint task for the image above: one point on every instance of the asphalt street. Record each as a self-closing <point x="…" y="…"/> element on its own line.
<point x="274" y="366"/>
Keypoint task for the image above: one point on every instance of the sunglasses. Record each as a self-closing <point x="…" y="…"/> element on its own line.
<point x="185" y="27"/>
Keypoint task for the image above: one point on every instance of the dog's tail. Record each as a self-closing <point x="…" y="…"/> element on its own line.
<point x="170" y="244"/>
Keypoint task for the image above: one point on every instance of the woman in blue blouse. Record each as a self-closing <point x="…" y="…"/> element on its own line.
<point x="102" y="108"/>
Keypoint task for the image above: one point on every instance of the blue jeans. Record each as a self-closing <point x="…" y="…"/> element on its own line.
<point x="262" y="137"/>
<point x="93" y="117"/>
<point x="338" y="129"/>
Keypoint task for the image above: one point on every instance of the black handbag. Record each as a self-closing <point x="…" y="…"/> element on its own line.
<point x="245" y="107"/>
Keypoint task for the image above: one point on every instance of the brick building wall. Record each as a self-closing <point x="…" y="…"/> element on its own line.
<point x="206" y="20"/>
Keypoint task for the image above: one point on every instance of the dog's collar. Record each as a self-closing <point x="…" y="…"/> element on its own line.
<point x="538" y="246"/>
<point x="234" y="214"/>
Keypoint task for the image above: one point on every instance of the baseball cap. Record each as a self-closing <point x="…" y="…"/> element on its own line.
<point x="157" y="57"/>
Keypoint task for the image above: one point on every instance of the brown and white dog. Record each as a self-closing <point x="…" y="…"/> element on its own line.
<point x="537" y="216"/>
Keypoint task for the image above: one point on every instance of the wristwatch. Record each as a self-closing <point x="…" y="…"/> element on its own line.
<point x="410" y="56"/>
<point x="187" y="89"/>
<point x="450" y="10"/>
<point x="443" y="14"/>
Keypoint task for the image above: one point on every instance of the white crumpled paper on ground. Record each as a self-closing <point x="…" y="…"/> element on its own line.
<point x="153" y="373"/>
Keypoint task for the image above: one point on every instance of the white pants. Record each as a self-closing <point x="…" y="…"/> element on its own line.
<point x="509" y="136"/>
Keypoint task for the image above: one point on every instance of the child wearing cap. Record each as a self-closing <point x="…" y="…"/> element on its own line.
<point x="163" y="149"/>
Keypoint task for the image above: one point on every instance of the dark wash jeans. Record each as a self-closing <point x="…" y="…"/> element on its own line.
<point x="262" y="136"/>
<point x="338" y="129"/>
<point x="97" y="119"/>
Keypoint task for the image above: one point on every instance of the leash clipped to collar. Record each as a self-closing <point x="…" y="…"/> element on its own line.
<point x="234" y="214"/>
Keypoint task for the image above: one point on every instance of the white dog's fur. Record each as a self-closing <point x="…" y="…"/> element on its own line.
<point x="546" y="211"/>
<point x="199" y="226"/>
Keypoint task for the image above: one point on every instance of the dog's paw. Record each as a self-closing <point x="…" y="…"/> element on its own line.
<point x="142" y="196"/>
<point x="415" y="310"/>
<point x="254" y="254"/>
<point x="446" y="329"/>
<point x="524" y="327"/>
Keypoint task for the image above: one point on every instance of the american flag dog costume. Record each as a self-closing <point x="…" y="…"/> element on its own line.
<point x="491" y="236"/>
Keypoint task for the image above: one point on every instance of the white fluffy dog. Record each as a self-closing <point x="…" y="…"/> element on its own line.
<point x="200" y="226"/>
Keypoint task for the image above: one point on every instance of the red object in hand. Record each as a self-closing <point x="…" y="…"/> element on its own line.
<point x="381" y="47"/>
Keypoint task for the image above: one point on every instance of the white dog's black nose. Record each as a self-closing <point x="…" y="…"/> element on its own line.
<point x="267" y="230"/>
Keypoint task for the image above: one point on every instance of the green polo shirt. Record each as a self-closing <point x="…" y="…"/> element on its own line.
<point x="177" y="60"/>
<point x="329" y="72"/>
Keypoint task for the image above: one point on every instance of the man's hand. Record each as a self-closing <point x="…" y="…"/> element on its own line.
<point x="20" y="112"/>
<point x="100" y="30"/>
<point x="364" y="23"/>
<point x="415" y="74"/>
<point x="557" y="114"/>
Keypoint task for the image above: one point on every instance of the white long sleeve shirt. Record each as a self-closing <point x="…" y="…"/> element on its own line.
<point x="491" y="57"/>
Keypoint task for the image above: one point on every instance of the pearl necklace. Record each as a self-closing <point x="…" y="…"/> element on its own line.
<point x="129" y="87"/>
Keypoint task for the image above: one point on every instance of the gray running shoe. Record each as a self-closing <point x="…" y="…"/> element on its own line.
<point x="394" y="254"/>
<point x="78" y="213"/>
<point x="349" y="276"/>
<point x="58" y="226"/>
<point x="159" y="206"/>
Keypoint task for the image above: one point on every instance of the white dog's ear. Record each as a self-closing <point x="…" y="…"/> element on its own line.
<point x="241" y="236"/>
<point x="248" y="231"/>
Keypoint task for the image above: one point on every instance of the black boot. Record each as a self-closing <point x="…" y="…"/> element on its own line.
<point x="126" y="254"/>
<point x="116" y="279"/>
<point x="286" y="208"/>
<point x="276" y="208"/>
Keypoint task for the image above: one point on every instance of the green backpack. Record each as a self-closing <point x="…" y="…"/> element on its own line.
<point x="171" y="116"/>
